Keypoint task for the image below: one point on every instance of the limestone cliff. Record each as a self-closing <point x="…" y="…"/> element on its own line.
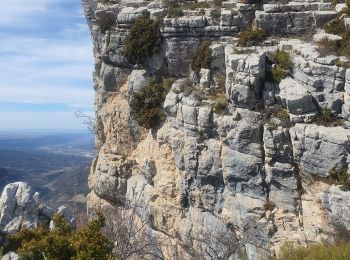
<point x="245" y="172"/>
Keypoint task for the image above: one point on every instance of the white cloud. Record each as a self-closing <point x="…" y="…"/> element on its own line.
<point x="18" y="11"/>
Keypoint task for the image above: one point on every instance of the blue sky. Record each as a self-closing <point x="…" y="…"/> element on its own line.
<point x="46" y="64"/>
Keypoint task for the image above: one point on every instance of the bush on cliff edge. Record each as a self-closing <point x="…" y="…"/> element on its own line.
<point x="144" y="39"/>
<point x="147" y="104"/>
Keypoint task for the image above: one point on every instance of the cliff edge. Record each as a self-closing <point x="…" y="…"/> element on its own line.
<point x="252" y="147"/>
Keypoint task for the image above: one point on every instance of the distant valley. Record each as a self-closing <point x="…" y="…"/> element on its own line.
<point x="54" y="164"/>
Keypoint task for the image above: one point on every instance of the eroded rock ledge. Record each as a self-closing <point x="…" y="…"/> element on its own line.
<point x="262" y="178"/>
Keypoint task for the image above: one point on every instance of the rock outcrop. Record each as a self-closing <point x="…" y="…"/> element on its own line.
<point x="20" y="208"/>
<point x="250" y="162"/>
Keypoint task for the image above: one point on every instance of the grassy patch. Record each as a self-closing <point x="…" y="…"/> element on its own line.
<point x="220" y="99"/>
<point x="327" y="118"/>
<point x="315" y="252"/>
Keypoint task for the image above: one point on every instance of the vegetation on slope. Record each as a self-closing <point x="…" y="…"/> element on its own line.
<point x="62" y="242"/>
<point x="316" y="252"/>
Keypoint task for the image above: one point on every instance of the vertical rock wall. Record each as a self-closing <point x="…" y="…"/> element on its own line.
<point x="241" y="173"/>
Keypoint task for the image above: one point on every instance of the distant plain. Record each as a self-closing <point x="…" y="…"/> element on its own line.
<point x="56" y="164"/>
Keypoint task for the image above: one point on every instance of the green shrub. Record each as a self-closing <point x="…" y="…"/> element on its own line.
<point x="282" y="114"/>
<point x="315" y="252"/>
<point x="62" y="242"/>
<point x="147" y="104"/>
<point x="89" y="242"/>
<point x="281" y="58"/>
<point x="106" y="22"/>
<point x="144" y="39"/>
<point x="282" y="65"/>
<point x="327" y="118"/>
<point x="251" y="36"/>
<point x="202" y="58"/>
<point x="276" y="74"/>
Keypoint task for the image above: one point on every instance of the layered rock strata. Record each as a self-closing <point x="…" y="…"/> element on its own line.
<point x="260" y="178"/>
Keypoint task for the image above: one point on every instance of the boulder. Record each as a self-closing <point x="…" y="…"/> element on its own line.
<point x="337" y="203"/>
<point x="295" y="97"/>
<point x="137" y="80"/>
<point x="320" y="149"/>
<point x="19" y="207"/>
<point x="244" y="74"/>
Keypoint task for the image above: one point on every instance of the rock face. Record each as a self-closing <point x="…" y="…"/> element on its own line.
<point x="20" y="208"/>
<point x="242" y="172"/>
<point x="10" y="256"/>
<point x="337" y="204"/>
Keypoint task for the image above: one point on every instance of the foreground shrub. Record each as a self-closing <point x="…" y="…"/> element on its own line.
<point x="315" y="252"/>
<point x="89" y="242"/>
<point x="147" y="104"/>
<point x="251" y="36"/>
<point x="62" y="242"/>
<point x="202" y="58"/>
<point x="144" y="39"/>
<point x="282" y="65"/>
